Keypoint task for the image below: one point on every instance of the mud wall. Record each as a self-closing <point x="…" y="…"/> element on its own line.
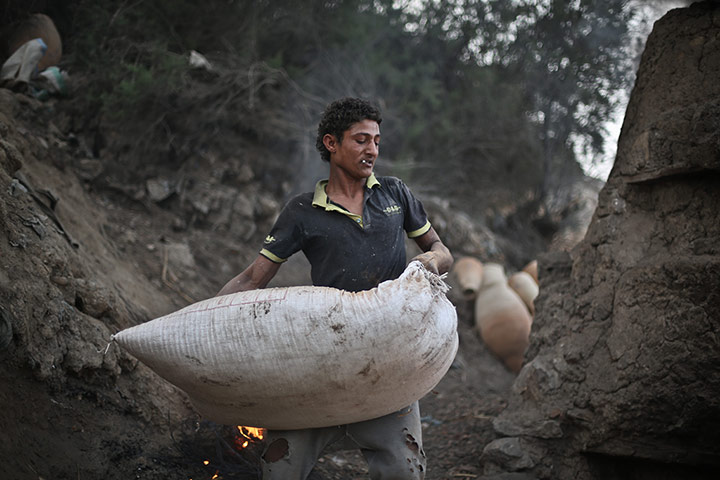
<point x="76" y="405"/>
<point x="622" y="379"/>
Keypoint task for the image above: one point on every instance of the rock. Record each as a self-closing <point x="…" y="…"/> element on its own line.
<point x="510" y="453"/>
<point x="10" y="157"/>
<point x="243" y="229"/>
<point x="460" y="232"/>
<point x="245" y="174"/>
<point x="243" y="207"/>
<point x="266" y="206"/>
<point x="509" y="476"/>
<point x="159" y="189"/>
<point x="4" y="126"/>
<point x="6" y="331"/>
<point x="178" y="224"/>
<point x="91" y="298"/>
<point x="180" y="260"/>
<point x="529" y="424"/>
<point x="577" y="204"/>
<point x="89" y="168"/>
<point x="59" y="280"/>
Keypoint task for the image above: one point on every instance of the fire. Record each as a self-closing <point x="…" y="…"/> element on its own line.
<point x="249" y="434"/>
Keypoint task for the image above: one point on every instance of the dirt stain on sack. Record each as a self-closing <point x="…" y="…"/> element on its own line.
<point x="211" y="381"/>
<point x="369" y="371"/>
<point x="193" y="359"/>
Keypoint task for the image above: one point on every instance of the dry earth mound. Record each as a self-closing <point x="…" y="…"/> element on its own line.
<point x="623" y="379"/>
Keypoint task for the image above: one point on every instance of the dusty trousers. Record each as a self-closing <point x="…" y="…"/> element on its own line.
<point x="391" y="445"/>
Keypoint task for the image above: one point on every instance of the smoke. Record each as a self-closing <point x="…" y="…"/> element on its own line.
<point x="335" y="73"/>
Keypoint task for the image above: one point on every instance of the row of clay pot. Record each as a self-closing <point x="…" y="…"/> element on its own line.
<point x="503" y="307"/>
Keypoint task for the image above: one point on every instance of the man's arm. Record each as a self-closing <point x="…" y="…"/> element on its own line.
<point x="257" y="275"/>
<point x="437" y="258"/>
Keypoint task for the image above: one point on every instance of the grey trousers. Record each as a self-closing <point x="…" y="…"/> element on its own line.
<point x="392" y="446"/>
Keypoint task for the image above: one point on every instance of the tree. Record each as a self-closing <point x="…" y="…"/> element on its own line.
<point x="569" y="58"/>
<point x="476" y="92"/>
<point x="573" y="59"/>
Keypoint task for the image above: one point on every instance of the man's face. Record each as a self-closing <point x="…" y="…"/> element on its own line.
<point x="359" y="149"/>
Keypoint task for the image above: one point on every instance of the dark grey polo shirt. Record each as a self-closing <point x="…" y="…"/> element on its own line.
<point x="347" y="251"/>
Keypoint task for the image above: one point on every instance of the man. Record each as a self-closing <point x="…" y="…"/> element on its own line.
<point x="352" y="231"/>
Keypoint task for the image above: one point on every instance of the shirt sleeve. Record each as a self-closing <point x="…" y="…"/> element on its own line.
<point x="285" y="236"/>
<point x="416" y="220"/>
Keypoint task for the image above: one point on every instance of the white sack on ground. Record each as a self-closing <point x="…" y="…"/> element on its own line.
<point x="23" y="64"/>
<point x="299" y="357"/>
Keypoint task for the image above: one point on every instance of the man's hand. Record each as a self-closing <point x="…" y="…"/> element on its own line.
<point x="437" y="258"/>
<point x="429" y="260"/>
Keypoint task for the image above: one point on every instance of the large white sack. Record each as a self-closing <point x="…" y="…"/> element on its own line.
<point x="299" y="357"/>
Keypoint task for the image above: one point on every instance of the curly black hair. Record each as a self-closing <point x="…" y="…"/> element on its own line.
<point x="339" y="116"/>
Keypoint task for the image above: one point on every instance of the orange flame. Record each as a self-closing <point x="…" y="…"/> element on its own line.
<point x="248" y="435"/>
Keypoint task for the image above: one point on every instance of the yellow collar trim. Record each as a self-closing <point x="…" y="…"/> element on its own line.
<point x="320" y="199"/>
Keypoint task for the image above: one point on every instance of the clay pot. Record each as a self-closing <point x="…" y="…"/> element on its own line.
<point x="501" y="317"/>
<point x="525" y="286"/>
<point x="468" y="272"/>
<point x="532" y="269"/>
<point x="37" y="26"/>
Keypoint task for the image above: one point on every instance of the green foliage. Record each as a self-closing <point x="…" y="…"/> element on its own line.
<point x="137" y="52"/>
<point x="114" y="46"/>
<point x="569" y="58"/>
<point x="143" y="86"/>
